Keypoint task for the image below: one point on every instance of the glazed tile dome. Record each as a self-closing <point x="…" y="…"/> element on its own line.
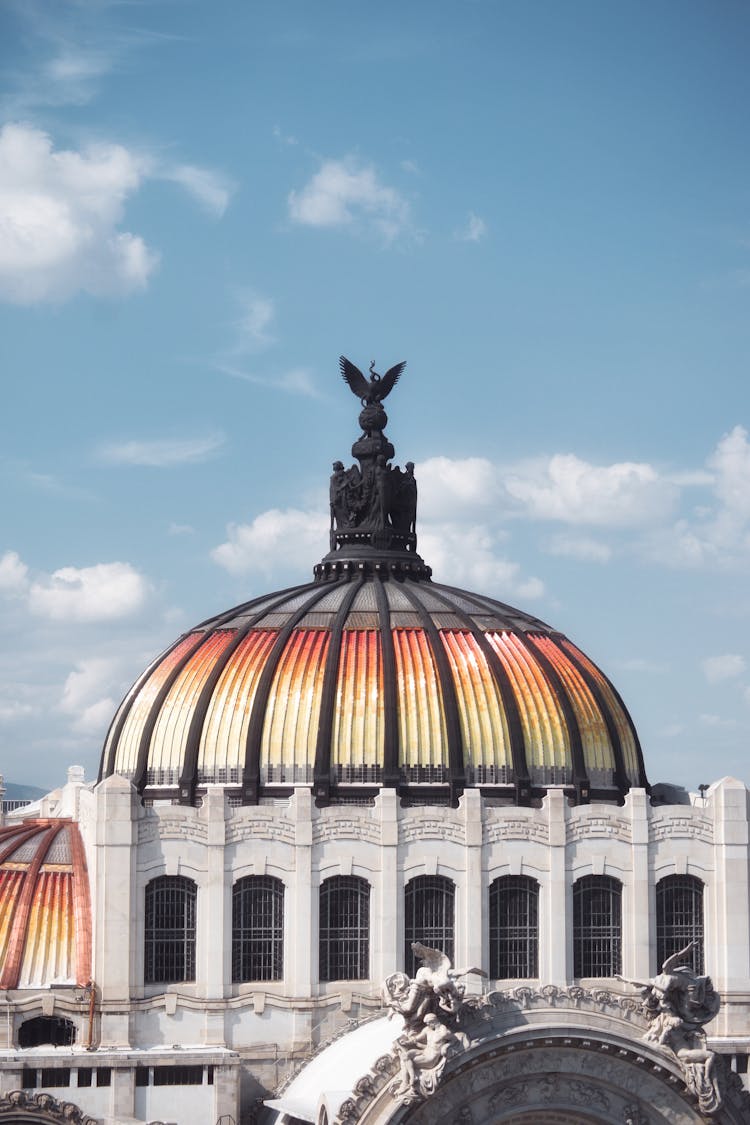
<point x="374" y="675"/>
<point x="45" y="915"/>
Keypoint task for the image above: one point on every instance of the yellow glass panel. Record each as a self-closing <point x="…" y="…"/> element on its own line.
<point x="291" y="726"/>
<point x="597" y="749"/>
<point x="167" y="749"/>
<point x="423" y="737"/>
<point x="484" y="725"/>
<point x="359" y="715"/>
<point x="544" y="729"/>
<point x="224" y="735"/>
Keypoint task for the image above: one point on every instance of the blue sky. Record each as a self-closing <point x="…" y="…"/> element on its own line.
<point x="544" y="207"/>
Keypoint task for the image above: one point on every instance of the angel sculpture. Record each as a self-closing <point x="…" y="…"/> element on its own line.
<point x="376" y="388"/>
<point x="436" y="972"/>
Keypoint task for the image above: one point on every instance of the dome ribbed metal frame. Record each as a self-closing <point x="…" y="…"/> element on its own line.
<point x="371" y="679"/>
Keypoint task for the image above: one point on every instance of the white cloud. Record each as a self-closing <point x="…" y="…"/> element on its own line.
<point x="474" y="229"/>
<point x="253" y="323"/>
<point x="467" y="556"/>
<point x="104" y="592"/>
<point x="164" y="453"/>
<point x="211" y="189"/>
<point x="580" y="547"/>
<point x="13" y="572"/>
<point x="60" y="213"/>
<point x="273" y="540"/>
<point x="85" y="695"/>
<point x="715" y="535"/>
<point x="346" y="193"/>
<point x="725" y="667"/>
<point x="450" y="487"/>
<point x="568" y="489"/>
<point x="11" y="710"/>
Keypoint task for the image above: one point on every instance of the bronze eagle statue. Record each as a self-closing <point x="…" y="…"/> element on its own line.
<point x="374" y="389"/>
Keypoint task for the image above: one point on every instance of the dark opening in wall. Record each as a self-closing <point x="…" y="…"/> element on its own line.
<point x="41" y="1030"/>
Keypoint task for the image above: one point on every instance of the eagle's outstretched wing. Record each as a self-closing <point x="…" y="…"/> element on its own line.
<point x="389" y="380"/>
<point x="454" y="973"/>
<point x="354" y="377"/>
<point x="434" y="959"/>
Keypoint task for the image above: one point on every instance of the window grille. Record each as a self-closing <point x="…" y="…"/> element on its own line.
<point x="597" y="927"/>
<point x="345" y="928"/>
<point x="170" y="930"/>
<point x="178" y="1076"/>
<point x="85" y="1076"/>
<point x="429" y="903"/>
<point x="679" y="918"/>
<point x="514" y="927"/>
<point x="53" y="1076"/>
<point x="258" y="929"/>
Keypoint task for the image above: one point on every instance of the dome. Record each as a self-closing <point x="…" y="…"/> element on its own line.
<point x="45" y="927"/>
<point x="368" y="679"/>
<point x="374" y="675"/>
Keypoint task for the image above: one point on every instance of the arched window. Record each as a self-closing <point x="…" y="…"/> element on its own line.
<point x="514" y="927"/>
<point x="170" y="930"/>
<point x="345" y="928"/>
<point x="258" y="929"/>
<point x="679" y="918"/>
<point x="41" y="1030"/>
<point x="428" y="902"/>
<point x="597" y="927"/>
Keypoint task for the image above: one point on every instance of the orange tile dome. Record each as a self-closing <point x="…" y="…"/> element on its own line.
<point x="374" y="675"/>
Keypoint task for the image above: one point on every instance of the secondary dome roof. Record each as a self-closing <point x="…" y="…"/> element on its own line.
<point x="374" y="675"/>
<point x="45" y="914"/>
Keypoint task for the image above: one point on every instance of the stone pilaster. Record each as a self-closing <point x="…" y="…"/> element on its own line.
<point x="556" y="951"/>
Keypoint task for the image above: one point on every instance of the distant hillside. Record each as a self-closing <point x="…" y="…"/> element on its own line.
<point x="15" y="792"/>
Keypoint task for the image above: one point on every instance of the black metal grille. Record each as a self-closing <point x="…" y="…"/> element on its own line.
<point x="679" y="918"/>
<point x="428" y="904"/>
<point x="597" y="927"/>
<point x="170" y="929"/>
<point x="514" y="927"/>
<point x="258" y="929"/>
<point x="345" y="928"/>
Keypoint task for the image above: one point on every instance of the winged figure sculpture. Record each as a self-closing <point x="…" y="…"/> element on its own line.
<point x="374" y="389"/>
<point x="436" y="973"/>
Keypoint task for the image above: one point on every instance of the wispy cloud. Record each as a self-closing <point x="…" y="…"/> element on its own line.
<point x="297" y="380"/>
<point x="253" y="323"/>
<point x="579" y="547"/>
<point x="350" y="195"/>
<point x="728" y="666"/>
<point x="162" y="453"/>
<point x="473" y="230"/>
<point x="210" y="188"/>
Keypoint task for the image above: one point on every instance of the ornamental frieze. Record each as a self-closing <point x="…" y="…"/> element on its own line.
<point x="345" y="827"/>
<point x="260" y="829"/>
<point x="599" y="827"/>
<point x="676" y="827"/>
<point x="516" y="828"/>
<point x="433" y="828"/>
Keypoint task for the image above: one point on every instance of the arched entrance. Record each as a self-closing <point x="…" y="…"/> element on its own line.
<point x="551" y="1076"/>
<point x="22" y="1107"/>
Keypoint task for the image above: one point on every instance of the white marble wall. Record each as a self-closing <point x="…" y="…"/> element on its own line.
<point x="215" y="845"/>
